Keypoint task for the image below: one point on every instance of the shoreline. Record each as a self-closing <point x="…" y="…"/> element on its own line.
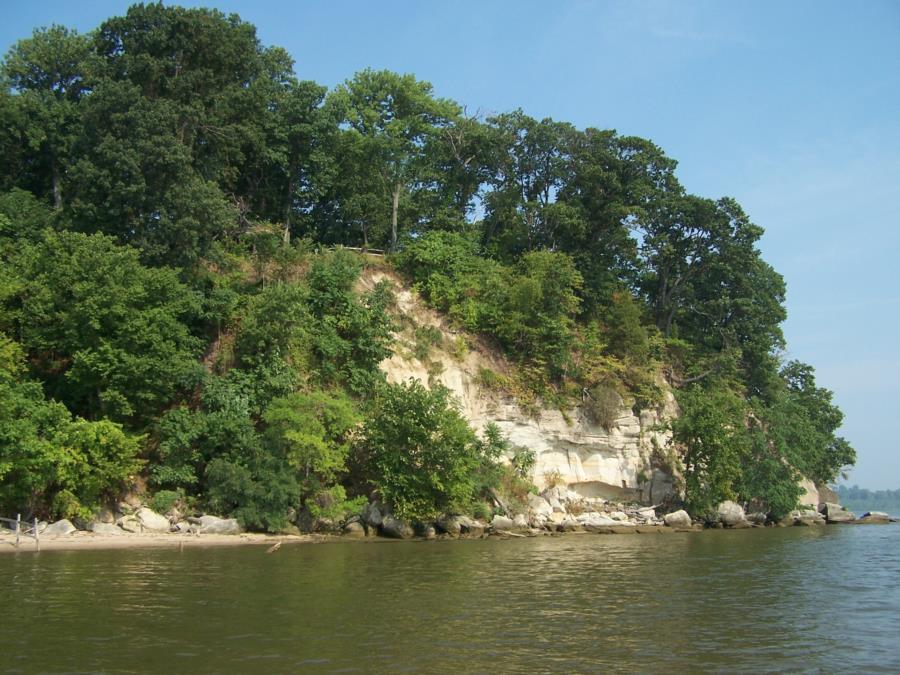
<point x="90" y="541"/>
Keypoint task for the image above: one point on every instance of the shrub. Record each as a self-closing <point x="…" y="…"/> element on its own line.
<point x="419" y="452"/>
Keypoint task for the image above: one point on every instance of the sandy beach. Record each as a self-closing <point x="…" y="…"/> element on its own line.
<point x="87" y="541"/>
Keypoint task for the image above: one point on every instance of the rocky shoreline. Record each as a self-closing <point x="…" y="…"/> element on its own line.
<point x="555" y="511"/>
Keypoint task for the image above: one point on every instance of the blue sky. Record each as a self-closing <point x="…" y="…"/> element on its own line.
<point x="793" y="108"/>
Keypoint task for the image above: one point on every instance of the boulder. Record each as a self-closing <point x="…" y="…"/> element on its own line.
<point x="152" y="521"/>
<point x="647" y="514"/>
<point x="757" y="518"/>
<point x="396" y="528"/>
<point x="373" y="515"/>
<point x="808" y="518"/>
<point x="835" y="513"/>
<point x="429" y="532"/>
<point x="130" y="524"/>
<point x="730" y="513"/>
<point x="520" y="522"/>
<point x="450" y="524"/>
<point x="678" y="519"/>
<point x="471" y="528"/>
<point x="569" y="525"/>
<point x="60" y="527"/>
<point x="594" y="520"/>
<point x="216" y="525"/>
<point x="539" y="506"/>
<point x="105" y="515"/>
<point x="105" y="528"/>
<point x="501" y="524"/>
<point x="874" y="517"/>
<point x="618" y="515"/>
<point x="354" y="529"/>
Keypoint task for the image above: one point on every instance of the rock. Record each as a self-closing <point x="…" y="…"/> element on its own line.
<point x="354" y="529"/>
<point x="373" y="515"/>
<point x="215" y="525"/>
<point x="105" y="516"/>
<point x="429" y="532"/>
<point x="874" y="517"/>
<point x="618" y="515"/>
<point x="471" y="528"/>
<point x="569" y="525"/>
<point x="539" y="506"/>
<point x="835" y="513"/>
<point x="60" y="527"/>
<point x="520" y="522"/>
<point x="808" y="518"/>
<point x="501" y="524"/>
<point x="730" y="513"/>
<point x="105" y="528"/>
<point x="450" y="524"/>
<point x="827" y="495"/>
<point x="152" y="521"/>
<point x="130" y="524"/>
<point x="648" y="514"/>
<point x="678" y="519"/>
<point x="757" y="518"/>
<point x="396" y="528"/>
<point x="595" y="520"/>
<point x="557" y="517"/>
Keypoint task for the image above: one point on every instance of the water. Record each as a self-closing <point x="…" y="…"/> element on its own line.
<point x="823" y="599"/>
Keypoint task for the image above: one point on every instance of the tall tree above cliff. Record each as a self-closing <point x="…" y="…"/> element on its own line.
<point x="391" y="117"/>
<point x="47" y="71"/>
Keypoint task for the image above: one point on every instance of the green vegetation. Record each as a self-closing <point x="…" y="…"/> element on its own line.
<point x="171" y="306"/>
<point x="859" y="500"/>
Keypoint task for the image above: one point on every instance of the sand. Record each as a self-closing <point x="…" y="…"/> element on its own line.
<point x="89" y="541"/>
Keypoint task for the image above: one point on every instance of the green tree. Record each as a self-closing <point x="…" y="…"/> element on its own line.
<point x="48" y="71"/>
<point x="418" y="451"/>
<point x="390" y="117"/>
<point x="106" y="335"/>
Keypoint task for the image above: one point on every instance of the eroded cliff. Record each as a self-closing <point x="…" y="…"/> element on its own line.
<point x="622" y="462"/>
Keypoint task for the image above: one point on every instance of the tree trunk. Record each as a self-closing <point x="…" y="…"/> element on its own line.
<point x="57" y="190"/>
<point x="287" y="213"/>
<point x="395" y="207"/>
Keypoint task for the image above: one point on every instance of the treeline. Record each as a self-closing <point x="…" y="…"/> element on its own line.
<point x="860" y="500"/>
<point x="165" y="181"/>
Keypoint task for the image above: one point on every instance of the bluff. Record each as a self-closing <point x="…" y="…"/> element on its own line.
<point x="622" y="462"/>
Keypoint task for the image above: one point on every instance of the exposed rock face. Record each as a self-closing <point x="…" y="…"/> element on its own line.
<point x="501" y="524"/>
<point x="593" y="461"/>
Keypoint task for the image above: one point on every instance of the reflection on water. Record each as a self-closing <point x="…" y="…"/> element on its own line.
<point x="801" y="599"/>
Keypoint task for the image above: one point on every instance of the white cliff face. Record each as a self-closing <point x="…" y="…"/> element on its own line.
<point x="613" y="464"/>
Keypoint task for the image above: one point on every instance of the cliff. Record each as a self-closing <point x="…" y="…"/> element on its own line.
<point x="618" y="463"/>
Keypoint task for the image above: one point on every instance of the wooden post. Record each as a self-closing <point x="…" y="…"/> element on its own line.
<point x="18" y="527"/>
<point x="37" y="537"/>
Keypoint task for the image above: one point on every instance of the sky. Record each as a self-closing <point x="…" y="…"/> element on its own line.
<point x="792" y="108"/>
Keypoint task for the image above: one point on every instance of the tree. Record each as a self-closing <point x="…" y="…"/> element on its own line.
<point x="48" y="72"/>
<point x="313" y="433"/>
<point x="390" y="118"/>
<point x="107" y="335"/>
<point x="50" y="463"/>
<point x="418" y="451"/>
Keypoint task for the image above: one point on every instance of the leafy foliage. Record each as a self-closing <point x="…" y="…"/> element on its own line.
<point x="418" y="452"/>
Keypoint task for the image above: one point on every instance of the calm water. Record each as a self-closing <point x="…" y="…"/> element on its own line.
<point x="799" y="599"/>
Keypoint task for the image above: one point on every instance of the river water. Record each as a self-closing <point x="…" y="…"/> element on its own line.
<point x="821" y="599"/>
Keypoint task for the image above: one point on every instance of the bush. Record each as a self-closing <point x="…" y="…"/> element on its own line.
<point x="418" y="451"/>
